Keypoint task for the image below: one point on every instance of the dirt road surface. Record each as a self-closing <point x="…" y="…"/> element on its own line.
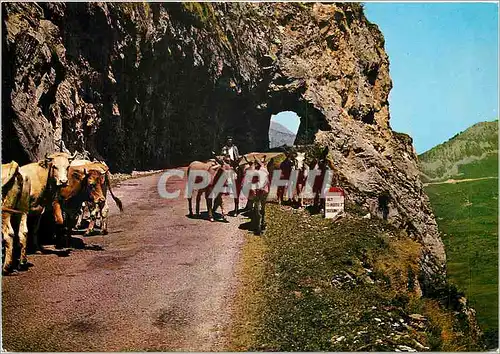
<point x="453" y="181"/>
<point x="161" y="282"/>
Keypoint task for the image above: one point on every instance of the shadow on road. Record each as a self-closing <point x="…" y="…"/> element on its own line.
<point x="204" y="216"/>
<point x="246" y="226"/>
<point x="59" y="253"/>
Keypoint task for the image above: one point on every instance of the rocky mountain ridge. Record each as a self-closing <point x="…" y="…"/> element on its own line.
<point x="279" y="135"/>
<point x="153" y="85"/>
<point x="477" y="143"/>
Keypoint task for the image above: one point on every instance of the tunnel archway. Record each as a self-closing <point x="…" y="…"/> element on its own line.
<point x="290" y="106"/>
<point x="283" y="129"/>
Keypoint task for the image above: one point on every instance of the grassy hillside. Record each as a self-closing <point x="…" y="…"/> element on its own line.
<point x="487" y="167"/>
<point x="467" y="214"/>
<point x="471" y="147"/>
<point x="310" y="284"/>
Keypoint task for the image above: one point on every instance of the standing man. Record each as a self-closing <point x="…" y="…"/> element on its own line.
<point x="230" y="151"/>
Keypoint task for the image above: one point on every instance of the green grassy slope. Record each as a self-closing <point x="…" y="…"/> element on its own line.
<point x="449" y="159"/>
<point x="487" y="167"/>
<point x="467" y="214"/>
<point x="316" y="285"/>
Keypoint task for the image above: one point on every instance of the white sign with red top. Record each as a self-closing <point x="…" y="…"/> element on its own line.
<point x="334" y="202"/>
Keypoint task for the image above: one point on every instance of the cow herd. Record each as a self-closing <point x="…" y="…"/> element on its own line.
<point x="58" y="185"/>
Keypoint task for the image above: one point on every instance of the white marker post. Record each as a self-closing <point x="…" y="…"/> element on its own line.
<point x="334" y="203"/>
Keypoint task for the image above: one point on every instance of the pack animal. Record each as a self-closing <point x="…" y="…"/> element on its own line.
<point x="303" y="171"/>
<point x="258" y="191"/>
<point x="286" y="168"/>
<point x="323" y="164"/>
<point x="215" y="169"/>
<point x="240" y="168"/>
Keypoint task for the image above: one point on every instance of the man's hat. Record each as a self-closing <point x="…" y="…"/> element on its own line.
<point x="229" y="137"/>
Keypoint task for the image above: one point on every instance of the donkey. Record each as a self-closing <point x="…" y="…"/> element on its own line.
<point x="257" y="194"/>
<point x="216" y="168"/>
<point x="323" y="164"/>
<point x="240" y="167"/>
<point x="303" y="169"/>
<point x="286" y="168"/>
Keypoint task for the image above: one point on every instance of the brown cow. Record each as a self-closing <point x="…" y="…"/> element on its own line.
<point x="85" y="185"/>
<point x="46" y="177"/>
<point x="15" y="205"/>
<point x="99" y="211"/>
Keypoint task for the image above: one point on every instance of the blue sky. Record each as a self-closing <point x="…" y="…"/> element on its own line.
<point x="444" y="67"/>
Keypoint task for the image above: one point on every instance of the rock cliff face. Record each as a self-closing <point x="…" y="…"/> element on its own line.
<point x="150" y="85"/>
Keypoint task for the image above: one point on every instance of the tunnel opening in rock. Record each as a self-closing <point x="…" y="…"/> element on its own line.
<point x="283" y="129"/>
<point x="311" y="119"/>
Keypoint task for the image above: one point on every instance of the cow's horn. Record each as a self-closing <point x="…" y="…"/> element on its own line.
<point x="72" y="157"/>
